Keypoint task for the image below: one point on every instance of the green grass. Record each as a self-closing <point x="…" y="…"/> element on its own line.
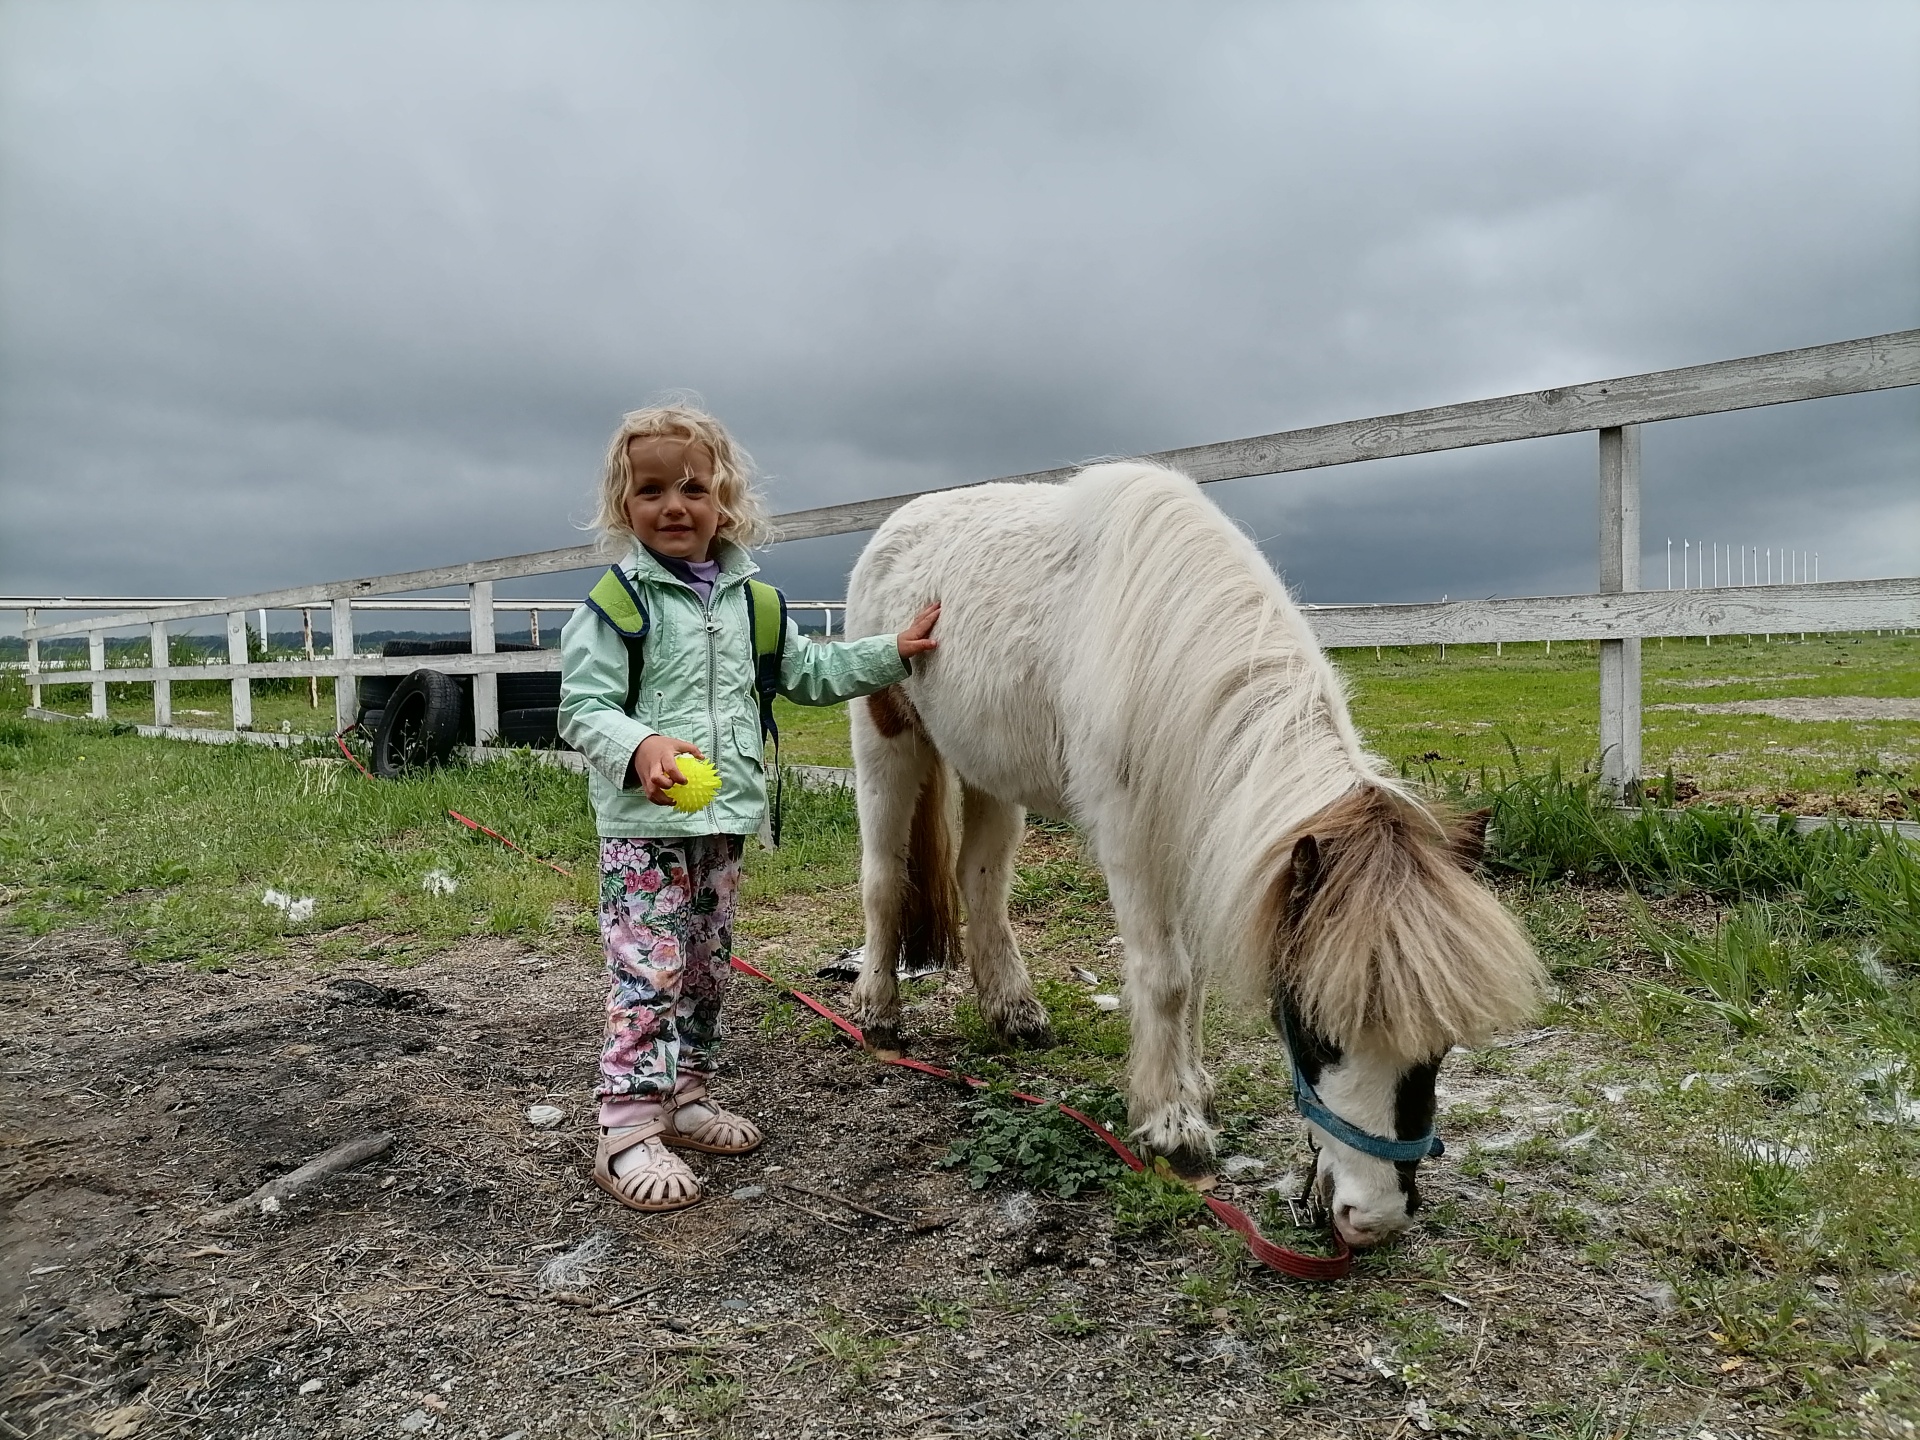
<point x="1860" y="882"/>
<point x="173" y="846"/>
<point x="1457" y="714"/>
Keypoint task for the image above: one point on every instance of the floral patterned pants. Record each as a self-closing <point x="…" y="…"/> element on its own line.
<point x="666" y="915"/>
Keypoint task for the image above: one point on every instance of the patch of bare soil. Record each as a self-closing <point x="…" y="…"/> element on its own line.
<point x="471" y="1282"/>
<point x="1809" y="707"/>
<point x="1888" y="803"/>
<point x="1848" y="804"/>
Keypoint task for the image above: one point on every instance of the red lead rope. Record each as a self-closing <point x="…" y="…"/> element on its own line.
<point x="1277" y="1257"/>
<point x="1296" y="1263"/>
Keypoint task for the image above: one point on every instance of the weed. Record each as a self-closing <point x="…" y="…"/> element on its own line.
<point x="704" y="1392"/>
<point x="1071" y="1323"/>
<point x="1149" y="1203"/>
<point x="855" y="1354"/>
<point x="1035" y="1145"/>
<point x="950" y="1313"/>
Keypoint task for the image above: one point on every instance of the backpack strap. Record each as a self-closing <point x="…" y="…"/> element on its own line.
<point x="767" y="622"/>
<point x="614" y="599"/>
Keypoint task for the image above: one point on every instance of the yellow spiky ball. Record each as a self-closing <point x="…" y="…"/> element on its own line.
<point x="697" y="790"/>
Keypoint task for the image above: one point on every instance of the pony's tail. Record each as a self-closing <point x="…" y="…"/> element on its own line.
<point x="930" y="899"/>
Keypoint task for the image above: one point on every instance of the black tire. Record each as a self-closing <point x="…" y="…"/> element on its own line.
<point x="370" y="719"/>
<point x="538" y="726"/>
<point x="420" y="726"/>
<point x="375" y="691"/>
<point x="529" y="692"/>
<point x="517" y="692"/>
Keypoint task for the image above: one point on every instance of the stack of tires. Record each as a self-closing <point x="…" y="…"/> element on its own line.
<point x="417" y="719"/>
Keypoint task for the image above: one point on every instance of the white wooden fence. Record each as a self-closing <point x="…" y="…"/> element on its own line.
<point x="1618" y="616"/>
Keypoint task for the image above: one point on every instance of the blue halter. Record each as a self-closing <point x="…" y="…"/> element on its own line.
<point x="1307" y="1101"/>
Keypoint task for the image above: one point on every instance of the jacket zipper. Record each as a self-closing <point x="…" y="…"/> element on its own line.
<point x="713" y="685"/>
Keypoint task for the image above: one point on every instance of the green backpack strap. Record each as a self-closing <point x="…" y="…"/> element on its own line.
<point x="615" y="601"/>
<point x="767" y="618"/>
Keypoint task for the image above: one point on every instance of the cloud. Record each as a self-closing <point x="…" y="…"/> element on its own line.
<point x="304" y="291"/>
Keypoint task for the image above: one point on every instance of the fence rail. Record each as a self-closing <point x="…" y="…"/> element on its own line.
<point x="1619" y="615"/>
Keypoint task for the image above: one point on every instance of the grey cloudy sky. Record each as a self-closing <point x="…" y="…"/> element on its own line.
<point x="299" y="291"/>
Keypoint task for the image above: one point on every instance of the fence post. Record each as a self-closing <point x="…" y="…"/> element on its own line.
<point x="346" y="688"/>
<point x="486" y="688"/>
<point x="237" y="655"/>
<point x="33" y="660"/>
<point x="97" y="660"/>
<point x="162" y="657"/>
<point x="306" y="643"/>
<point x="1619" y="572"/>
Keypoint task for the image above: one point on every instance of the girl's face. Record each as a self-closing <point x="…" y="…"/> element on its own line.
<point x="670" y="504"/>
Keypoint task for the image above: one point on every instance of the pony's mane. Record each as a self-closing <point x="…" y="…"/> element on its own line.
<point x="1392" y="936"/>
<point x="1229" y="731"/>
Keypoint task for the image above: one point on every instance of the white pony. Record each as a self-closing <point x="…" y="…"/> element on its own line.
<point x="1114" y="652"/>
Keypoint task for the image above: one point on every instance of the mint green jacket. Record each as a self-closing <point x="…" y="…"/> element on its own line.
<point x="697" y="685"/>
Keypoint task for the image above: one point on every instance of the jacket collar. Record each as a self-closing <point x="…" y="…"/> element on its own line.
<point x="735" y="565"/>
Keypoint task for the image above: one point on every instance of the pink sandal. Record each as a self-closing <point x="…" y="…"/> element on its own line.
<point x="641" y="1189"/>
<point x="721" y="1133"/>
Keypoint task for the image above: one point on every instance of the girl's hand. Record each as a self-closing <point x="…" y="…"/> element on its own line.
<point x="653" y="768"/>
<point x="917" y="638"/>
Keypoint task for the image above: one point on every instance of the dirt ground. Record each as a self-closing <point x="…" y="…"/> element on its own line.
<point x="471" y="1282"/>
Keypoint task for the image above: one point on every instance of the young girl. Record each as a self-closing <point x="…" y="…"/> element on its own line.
<point x="677" y="491"/>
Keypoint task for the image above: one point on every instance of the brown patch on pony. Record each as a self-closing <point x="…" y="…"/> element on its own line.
<point x="1468" y="838"/>
<point x="1383" y="937"/>
<point x="930" y="900"/>
<point x="893" y="713"/>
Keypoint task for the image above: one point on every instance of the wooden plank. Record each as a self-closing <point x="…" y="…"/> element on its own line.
<point x="97" y="667"/>
<point x="1807" y="824"/>
<point x="1738" y="610"/>
<point x="237" y="667"/>
<point x="540" y="562"/>
<point x="33" y="663"/>
<point x="1619" y="572"/>
<point x="512" y="662"/>
<point x="161" y="658"/>
<point x="346" y="692"/>
<point x="1850" y="367"/>
<point x="486" y="687"/>
<point x="560" y="759"/>
<point x="188" y="732"/>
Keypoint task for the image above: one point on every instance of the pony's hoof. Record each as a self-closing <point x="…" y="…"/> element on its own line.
<point x="1193" y="1167"/>
<point x="882" y="1041"/>
<point x="1028" y="1036"/>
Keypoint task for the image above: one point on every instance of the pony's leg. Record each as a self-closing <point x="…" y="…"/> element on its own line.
<point x="989" y="837"/>
<point x="1196" y="1036"/>
<point x="890" y="771"/>
<point x="1167" y="1091"/>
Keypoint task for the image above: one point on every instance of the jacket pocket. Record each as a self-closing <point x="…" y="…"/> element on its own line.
<point x="746" y="738"/>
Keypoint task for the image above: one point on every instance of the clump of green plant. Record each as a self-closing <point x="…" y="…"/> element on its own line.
<point x="1151" y="1203"/>
<point x="856" y="1354"/>
<point x="1071" y="1323"/>
<point x="1036" y="1145"/>
<point x="951" y="1313"/>
<point x="1861" y="881"/>
<point x="704" y="1392"/>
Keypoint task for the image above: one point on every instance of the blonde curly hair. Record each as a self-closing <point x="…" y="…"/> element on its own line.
<point x="743" y="518"/>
